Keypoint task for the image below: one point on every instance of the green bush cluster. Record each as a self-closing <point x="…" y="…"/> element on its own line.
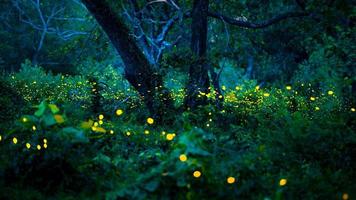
<point x="294" y="142"/>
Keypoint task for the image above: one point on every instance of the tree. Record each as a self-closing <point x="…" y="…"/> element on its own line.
<point x="198" y="71"/>
<point x="141" y="67"/>
<point x="47" y="33"/>
<point x="199" y="80"/>
<point x="33" y="14"/>
<point x="142" y="75"/>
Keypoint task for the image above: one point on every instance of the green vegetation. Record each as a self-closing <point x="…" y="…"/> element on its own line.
<point x="177" y="99"/>
<point x="260" y="138"/>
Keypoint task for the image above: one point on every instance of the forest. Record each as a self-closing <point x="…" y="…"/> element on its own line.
<point x="177" y="99"/>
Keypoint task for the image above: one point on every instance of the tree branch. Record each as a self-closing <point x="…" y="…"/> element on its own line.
<point x="168" y="26"/>
<point x="257" y="25"/>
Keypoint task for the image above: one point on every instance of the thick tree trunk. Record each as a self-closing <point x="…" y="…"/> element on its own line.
<point x="198" y="71"/>
<point x="141" y="75"/>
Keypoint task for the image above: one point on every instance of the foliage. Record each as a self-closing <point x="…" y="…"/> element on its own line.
<point x="301" y="133"/>
<point x="72" y="127"/>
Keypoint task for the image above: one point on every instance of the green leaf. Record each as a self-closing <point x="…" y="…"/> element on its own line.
<point x="101" y="158"/>
<point x="77" y="136"/>
<point x="41" y="109"/>
<point x="87" y="125"/>
<point x="152" y="185"/>
<point x="194" y="143"/>
<point x="49" y="120"/>
<point x="54" y="109"/>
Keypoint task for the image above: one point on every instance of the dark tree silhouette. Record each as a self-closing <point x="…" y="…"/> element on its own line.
<point x="144" y="76"/>
<point x="138" y="71"/>
<point x="198" y="71"/>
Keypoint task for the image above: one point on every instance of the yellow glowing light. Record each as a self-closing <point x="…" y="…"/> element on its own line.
<point x="119" y="112"/>
<point x="28" y="145"/>
<point x="197" y="174"/>
<point x="34" y="128"/>
<point x="317" y="108"/>
<point x="202" y="93"/>
<point x="101" y="116"/>
<point x="150" y="120"/>
<point x="312" y="98"/>
<point x="283" y="182"/>
<point x="96" y="124"/>
<point x="230" y="180"/>
<point x="257" y="87"/>
<point x="163" y="133"/>
<point x="353" y="109"/>
<point x="237" y="88"/>
<point x="345" y="196"/>
<point x="183" y="157"/>
<point x="223" y="87"/>
<point x="0" y="138"/>
<point x="128" y="133"/>
<point x="147" y="132"/>
<point x="111" y="132"/>
<point x="266" y="94"/>
<point x="24" y="119"/>
<point x="330" y="92"/>
<point x="101" y="122"/>
<point x="98" y="129"/>
<point x="288" y="87"/>
<point x="14" y="140"/>
<point x="45" y="141"/>
<point x="45" y="146"/>
<point x="38" y="147"/>
<point x="169" y="136"/>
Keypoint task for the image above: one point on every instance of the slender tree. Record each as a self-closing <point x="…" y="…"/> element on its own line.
<point x="198" y="71"/>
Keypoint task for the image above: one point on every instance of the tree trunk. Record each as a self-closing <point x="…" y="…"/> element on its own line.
<point x="198" y="71"/>
<point x="141" y="75"/>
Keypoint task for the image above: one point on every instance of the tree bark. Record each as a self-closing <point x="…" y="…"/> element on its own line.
<point x="138" y="71"/>
<point x="198" y="71"/>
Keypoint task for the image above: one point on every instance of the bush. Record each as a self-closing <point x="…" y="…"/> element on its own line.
<point x="262" y="143"/>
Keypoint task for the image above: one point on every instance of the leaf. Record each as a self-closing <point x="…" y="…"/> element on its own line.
<point x="75" y="135"/>
<point x="59" y="119"/>
<point x="30" y="119"/>
<point x="98" y="129"/>
<point x="101" y="158"/>
<point x="41" y="109"/>
<point x="49" y="120"/>
<point x="152" y="185"/>
<point x="193" y="141"/>
<point x="54" y="109"/>
<point x="87" y="125"/>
